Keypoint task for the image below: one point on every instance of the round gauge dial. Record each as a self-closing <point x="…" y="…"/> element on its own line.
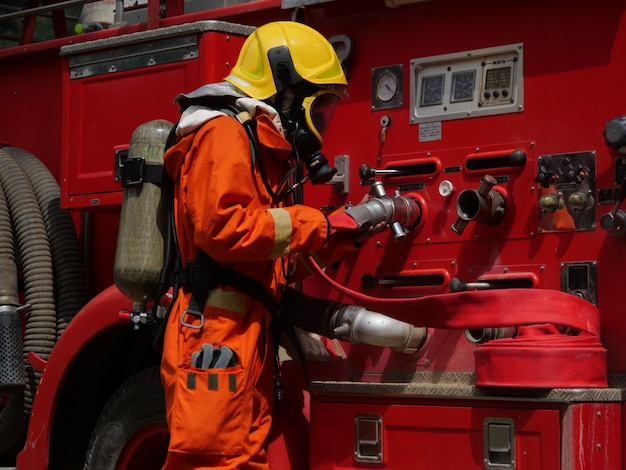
<point x="386" y="86"/>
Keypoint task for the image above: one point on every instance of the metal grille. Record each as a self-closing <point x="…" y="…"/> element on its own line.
<point x="11" y="356"/>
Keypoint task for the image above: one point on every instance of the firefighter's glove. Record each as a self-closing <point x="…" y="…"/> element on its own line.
<point x="368" y="213"/>
<point x="364" y="220"/>
<point x="342" y="221"/>
<point x="210" y="357"/>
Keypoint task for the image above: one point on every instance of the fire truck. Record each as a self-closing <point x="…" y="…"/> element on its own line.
<point x="502" y="122"/>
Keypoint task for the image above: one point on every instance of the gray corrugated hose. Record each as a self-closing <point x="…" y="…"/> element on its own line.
<point x="54" y="279"/>
<point x="69" y="274"/>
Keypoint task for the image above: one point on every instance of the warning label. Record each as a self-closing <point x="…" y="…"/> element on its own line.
<point x="430" y="131"/>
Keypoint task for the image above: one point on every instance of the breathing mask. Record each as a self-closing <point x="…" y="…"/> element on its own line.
<point x="307" y="125"/>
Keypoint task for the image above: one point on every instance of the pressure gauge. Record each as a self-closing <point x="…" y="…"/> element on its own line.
<point x="387" y="87"/>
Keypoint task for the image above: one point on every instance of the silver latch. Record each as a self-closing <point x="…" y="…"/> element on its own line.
<point x="499" y="443"/>
<point x="368" y="441"/>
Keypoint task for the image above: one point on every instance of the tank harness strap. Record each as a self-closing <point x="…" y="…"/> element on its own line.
<point x="204" y="274"/>
<point x="245" y="119"/>
<point x="172" y="254"/>
<point x="136" y="171"/>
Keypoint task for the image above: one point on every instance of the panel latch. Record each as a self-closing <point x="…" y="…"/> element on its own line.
<point x="368" y="442"/>
<point x="499" y="445"/>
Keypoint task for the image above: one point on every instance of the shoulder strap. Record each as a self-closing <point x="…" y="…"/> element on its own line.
<point x="171" y="258"/>
<point x="171" y="254"/>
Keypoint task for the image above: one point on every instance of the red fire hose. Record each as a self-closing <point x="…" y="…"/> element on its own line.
<point x="540" y="356"/>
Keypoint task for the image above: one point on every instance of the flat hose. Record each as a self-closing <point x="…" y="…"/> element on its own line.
<point x="52" y="271"/>
<point x="522" y="361"/>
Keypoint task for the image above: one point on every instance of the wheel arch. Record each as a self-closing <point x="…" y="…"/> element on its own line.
<point x="98" y="351"/>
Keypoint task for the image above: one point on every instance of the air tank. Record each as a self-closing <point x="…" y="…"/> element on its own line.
<point x="139" y="255"/>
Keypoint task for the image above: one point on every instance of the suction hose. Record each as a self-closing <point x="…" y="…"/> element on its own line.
<point x="49" y="256"/>
<point x="12" y="418"/>
<point x="69" y="274"/>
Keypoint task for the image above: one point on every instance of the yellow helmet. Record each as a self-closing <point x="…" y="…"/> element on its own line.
<point x="281" y="54"/>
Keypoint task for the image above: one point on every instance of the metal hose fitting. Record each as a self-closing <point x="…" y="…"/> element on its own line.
<point x="359" y="325"/>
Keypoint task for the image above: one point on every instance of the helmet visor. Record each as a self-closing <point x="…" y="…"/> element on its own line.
<point x="318" y="111"/>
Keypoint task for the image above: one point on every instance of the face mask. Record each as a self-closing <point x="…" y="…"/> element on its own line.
<point x="309" y="126"/>
<point x="318" y="111"/>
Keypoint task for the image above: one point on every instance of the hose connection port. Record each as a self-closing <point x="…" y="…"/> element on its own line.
<point x="482" y="205"/>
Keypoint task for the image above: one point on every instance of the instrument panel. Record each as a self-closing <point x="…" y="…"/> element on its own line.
<point x="467" y="84"/>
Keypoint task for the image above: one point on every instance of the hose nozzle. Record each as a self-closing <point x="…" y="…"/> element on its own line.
<point x="358" y="325"/>
<point x="399" y="212"/>
<point x="349" y="322"/>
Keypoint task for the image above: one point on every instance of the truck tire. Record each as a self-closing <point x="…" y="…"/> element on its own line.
<point x="131" y="431"/>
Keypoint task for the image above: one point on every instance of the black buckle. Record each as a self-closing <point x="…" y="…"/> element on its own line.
<point x="132" y="170"/>
<point x="194" y="275"/>
<point x="129" y="171"/>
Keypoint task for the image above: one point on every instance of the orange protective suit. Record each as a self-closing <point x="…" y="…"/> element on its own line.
<point x="223" y="207"/>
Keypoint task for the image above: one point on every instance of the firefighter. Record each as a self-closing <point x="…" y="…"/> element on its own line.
<point x="233" y="214"/>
